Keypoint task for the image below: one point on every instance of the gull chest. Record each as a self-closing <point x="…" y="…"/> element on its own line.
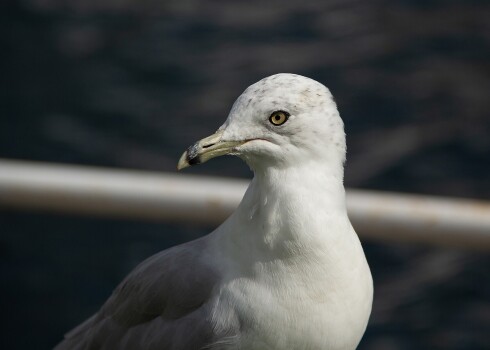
<point x="281" y="310"/>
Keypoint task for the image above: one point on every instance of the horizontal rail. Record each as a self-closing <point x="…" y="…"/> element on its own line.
<point x="208" y="200"/>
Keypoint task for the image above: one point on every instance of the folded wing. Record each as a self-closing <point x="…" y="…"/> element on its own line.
<point x="162" y="304"/>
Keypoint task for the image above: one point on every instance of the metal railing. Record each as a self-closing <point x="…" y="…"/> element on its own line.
<point x="207" y="200"/>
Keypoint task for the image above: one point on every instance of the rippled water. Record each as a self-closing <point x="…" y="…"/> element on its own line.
<point x="132" y="85"/>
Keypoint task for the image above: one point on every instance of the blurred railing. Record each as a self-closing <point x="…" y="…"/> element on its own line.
<point x="207" y="200"/>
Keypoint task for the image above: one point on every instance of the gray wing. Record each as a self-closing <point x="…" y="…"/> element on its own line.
<point x="161" y="305"/>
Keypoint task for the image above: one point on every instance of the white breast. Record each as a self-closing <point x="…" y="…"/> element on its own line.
<point x="309" y="302"/>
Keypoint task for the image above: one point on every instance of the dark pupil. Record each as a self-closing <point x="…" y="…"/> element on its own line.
<point x="277" y="117"/>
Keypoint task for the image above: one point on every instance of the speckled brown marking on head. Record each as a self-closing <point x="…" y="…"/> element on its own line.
<point x="314" y="126"/>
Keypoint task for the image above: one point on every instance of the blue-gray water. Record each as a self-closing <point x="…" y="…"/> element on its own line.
<point x="132" y="85"/>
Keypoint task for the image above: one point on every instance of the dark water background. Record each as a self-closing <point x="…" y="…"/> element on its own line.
<point x="130" y="84"/>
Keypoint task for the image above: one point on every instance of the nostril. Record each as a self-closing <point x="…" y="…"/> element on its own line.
<point x="207" y="146"/>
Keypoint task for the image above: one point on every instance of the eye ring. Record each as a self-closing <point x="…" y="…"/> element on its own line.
<point x="279" y="117"/>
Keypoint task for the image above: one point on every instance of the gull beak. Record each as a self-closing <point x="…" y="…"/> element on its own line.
<point x="206" y="149"/>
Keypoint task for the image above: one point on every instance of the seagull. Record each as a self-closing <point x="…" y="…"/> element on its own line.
<point x="285" y="271"/>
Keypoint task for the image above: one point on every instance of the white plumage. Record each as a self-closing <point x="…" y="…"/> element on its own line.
<point x="285" y="271"/>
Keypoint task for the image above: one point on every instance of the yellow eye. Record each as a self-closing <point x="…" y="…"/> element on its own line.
<point x="279" y="117"/>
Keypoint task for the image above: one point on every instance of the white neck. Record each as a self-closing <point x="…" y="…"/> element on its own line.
<point x="279" y="211"/>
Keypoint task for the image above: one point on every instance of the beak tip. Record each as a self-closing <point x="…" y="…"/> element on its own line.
<point x="204" y="150"/>
<point x="183" y="162"/>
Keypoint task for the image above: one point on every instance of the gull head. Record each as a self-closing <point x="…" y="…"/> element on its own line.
<point x="284" y="120"/>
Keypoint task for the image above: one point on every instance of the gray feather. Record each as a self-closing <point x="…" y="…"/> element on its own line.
<point x="161" y="304"/>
